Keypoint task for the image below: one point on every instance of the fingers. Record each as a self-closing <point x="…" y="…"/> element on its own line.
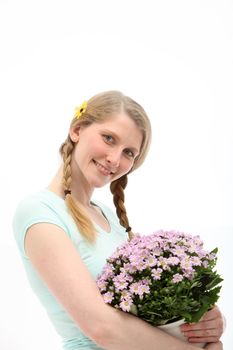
<point x="202" y="325"/>
<point x="204" y="331"/>
<point x="203" y="340"/>
<point x="215" y="314"/>
<point x="215" y="326"/>
<point x="210" y="328"/>
<point x="202" y="335"/>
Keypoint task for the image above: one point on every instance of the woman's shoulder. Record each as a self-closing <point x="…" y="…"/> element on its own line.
<point x="37" y="202"/>
<point x="43" y="206"/>
<point x="44" y="196"/>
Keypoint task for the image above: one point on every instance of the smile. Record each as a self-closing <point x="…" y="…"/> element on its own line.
<point x="102" y="169"/>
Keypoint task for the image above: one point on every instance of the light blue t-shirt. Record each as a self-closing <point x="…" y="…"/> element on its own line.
<point x="46" y="206"/>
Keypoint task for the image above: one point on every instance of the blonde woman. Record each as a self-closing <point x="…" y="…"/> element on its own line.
<point x="64" y="235"/>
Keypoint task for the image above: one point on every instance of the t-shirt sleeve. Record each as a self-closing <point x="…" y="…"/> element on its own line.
<point x="32" y="211"/>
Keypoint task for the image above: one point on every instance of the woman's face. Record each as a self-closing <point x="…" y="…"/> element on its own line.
<point x="105" y="151"/>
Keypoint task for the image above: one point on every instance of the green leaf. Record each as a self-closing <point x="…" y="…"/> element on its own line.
<point x="203" y="309"/>
<point x="134" y="310"/>
<point x="214" y="251"/>
<point x="196" y="284"/>
<point x="214" y="282"/>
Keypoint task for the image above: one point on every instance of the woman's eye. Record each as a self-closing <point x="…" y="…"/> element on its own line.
<point x="108" y="138"/>
<point x="129" y="153"/>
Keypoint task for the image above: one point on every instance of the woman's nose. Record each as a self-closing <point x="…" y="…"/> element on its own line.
<point x="113" y="159"/>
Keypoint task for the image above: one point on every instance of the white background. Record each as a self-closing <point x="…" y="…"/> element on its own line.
<point x="173" y="57"/>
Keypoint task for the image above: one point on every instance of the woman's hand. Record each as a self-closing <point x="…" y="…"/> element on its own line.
<point x="214" y="346"/>
<point x="208" y="330"/>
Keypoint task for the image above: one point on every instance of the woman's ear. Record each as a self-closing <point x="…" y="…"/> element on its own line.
<point x="74" y="133"/>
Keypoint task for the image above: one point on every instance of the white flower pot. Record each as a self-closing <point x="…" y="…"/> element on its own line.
<point x="174" y="329"/>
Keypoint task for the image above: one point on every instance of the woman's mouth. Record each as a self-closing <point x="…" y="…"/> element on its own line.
<point x="103" y="170"/>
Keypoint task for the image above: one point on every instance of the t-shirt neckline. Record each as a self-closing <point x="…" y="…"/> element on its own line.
<point x="98" y="227"/>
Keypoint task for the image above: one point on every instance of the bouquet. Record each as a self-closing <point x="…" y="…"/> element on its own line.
<point x="161" y="278"/>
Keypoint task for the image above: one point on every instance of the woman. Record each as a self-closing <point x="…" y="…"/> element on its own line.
<point x="65" y="237"/>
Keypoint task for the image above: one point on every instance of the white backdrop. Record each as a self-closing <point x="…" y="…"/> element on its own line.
<point x="173" y="57"/>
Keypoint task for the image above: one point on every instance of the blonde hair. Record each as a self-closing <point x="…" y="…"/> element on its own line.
<point x="99" y="108"/>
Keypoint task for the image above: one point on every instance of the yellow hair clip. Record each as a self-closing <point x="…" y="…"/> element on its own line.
<point x="80" y="110"/>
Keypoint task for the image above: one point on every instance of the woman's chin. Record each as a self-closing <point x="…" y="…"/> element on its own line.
<point x="100" y="183"/>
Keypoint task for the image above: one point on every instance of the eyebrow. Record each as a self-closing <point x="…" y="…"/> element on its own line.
<point x="118" y="139"/>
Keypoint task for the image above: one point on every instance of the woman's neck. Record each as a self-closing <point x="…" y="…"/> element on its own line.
<point x="56" y="183"/>
<point x="78" y="191"/>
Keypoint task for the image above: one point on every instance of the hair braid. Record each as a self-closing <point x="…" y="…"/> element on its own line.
<point x="66" y="151"/>
<point x="77" y="211"/>
<point x="117" y="188"/>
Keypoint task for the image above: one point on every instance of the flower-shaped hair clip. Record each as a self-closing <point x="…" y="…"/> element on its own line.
<point x="80" y="110"/>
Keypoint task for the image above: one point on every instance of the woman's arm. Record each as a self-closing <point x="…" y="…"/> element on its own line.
<point x="209" y="329"/>
<point x="58" y="263"/>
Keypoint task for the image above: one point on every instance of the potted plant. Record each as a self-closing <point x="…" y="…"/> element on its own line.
<point x="162" y="278"/>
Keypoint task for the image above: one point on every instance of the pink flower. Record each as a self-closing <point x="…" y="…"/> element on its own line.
<point x="134" y="288"/>
<point x="102" y="284"/>
<point x="108" y="297"/>
<point x="126" y="304"/>
<point x="186" y="264"/>
<point x="125" y="294"/>
<point x="156" y="273"/>
<point x="173" y="260"/>
<point x="177" y="278"/>
<point x="196" y="261"/>
<point x="143" y="289"/>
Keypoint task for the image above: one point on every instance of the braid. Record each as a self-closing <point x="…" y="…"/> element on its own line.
<point x="117" y="188"/>
<point x="66" y="151"/>
<point x="77" y="211"/>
